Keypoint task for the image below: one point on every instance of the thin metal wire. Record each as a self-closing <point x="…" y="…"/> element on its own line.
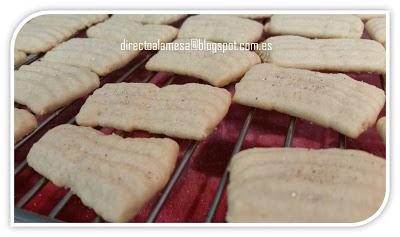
<point x="133" y="69"/>
<point x="60" y="205"/>
<point x="224" y="177"/>
<point x="383" y="81"/>
<point x="20" y="167"/>
<point x="148" y="78"/>
<point x="170" y="80"/>
<point x="31" y="192"/>
<point x="172" y="182"/>
<point x="289" y="134"/>
<point x="30" y="59"/>
<point x="72" y="120"/>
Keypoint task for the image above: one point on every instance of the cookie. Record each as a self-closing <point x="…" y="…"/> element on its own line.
<point x="218" y="68"/>
<point x="297" y="185"/>
<point x="45" y="32"/>
<point x="34" y="38"/>
<point x="316" y="26"/>
<point x="113" y="175"/>
<point x="381" y="126"/>
<point x="74" y="22"/>
<point x="189" y="111"/>
<point x="120" y="29"/>
<point x="344" y="55"/>
<point x="252" y="16"/>
<point x="24" y="123"/>
<point x="376" y="29"/>
<point x="221" y="28"/>
<point x="99" y="55"/>
<point x="366" y="17"/>
<point x="159" y="19"/>
<point x="330" y="100"/>
<point x="19" y="57"/>
<point x="44" y="87"/>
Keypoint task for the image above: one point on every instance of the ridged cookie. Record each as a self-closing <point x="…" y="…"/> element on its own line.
<point x="221" y="28"/>
<point x="33" y="38"/>
<point x="331" y="100"/>
<point x="72" y="21"/>
<point x="100" y="56"/>
<point x="316" y="26"/>
<point x="345" y="55"/>
<point x="366" y="17"/>
<point x="218" y="68"/>
<point x="24" y="123"/>
<point x="118" y="29"/>
<point x="381" y="126"/>
<point x="376" y="29"/>
<point x="19" y="57"/>
<point x="45" y="32"/>
<point x="112" y="175"/>
<point x="300" y="185"/>
<point x="189" y="111"/>
<point x="159" y="19"/>
<point x="44" y="87"/>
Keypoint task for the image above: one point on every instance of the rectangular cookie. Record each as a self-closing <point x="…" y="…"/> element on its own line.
<point x="120" y="29"/>
<point x="299" y="185"/>
<point x="33" y="38"/>
<point x="189" y="111"/>
<point x="381" y="126"/>
<point x="99" y="55"/>
<point x="221" y="28"/>
<point x="159" y="19"/>
<point x="44" y="87"/>
<point x="316" y="26"/>
<point x="218" y="68"/>
<point x="376" y="29"/>
<point x="113" y="175"/>
<point x="24" y="123"/>
<point x="72" y="21"/>
<point x="366" y="17"/>
<point x="344" y="55"/>
<point x="330" y="100"/>
<point x="45" y="32"/>
<point x="19" y="57"/>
